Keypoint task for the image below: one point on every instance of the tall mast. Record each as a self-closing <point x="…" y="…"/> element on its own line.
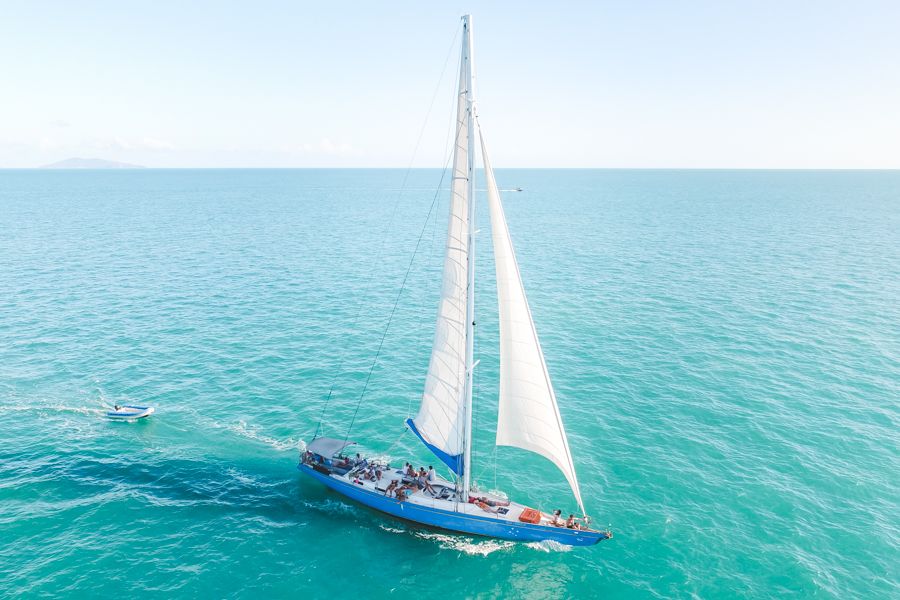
<point x="470" y="290"/>
<point x="444" y="420"/>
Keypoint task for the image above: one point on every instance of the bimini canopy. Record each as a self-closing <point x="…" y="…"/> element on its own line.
<point x="327" y="447"/>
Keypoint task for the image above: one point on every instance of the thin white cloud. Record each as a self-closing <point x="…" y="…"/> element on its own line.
<point x="118" y="143"/>
<point x="325" y="147"/>
<point x="156" y="144"/>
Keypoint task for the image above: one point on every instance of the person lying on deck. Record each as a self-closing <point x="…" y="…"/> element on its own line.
<point x="490" y="502"/>
<point x="484" y="506"/>
<point x="405" y="491"/>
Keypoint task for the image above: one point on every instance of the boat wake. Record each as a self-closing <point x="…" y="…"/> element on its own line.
<point x="255" y="433"/>
<point x="332" y="507"/>
<point x="549" y="546"/>
<point x="53" y="408"/>
<point x="465" y="545"/>
<point x="477" y="547"/>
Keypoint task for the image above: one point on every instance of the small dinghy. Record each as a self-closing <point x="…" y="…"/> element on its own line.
<point x="124" y="413"/>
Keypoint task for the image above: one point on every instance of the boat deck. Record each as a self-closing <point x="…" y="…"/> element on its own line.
<point x="444" y="499"/>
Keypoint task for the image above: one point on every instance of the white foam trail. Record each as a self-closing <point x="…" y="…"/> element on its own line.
<point x="392" y="529"/>
<point x="331" y="506"/>
<point x="480" y="548"/>
<point x="466" y="545"/>
<point x="549" y="546"/>
<point x="81" y="410"/>
<point x="255" y="433"/>
<point x="242" y="478"/>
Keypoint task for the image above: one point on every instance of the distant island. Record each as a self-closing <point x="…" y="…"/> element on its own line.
<point x="90" y="163"/>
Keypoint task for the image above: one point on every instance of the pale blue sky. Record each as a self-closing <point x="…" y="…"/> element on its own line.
<point x="592" y="84"/>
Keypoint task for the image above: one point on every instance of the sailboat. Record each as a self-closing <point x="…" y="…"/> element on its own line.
<point x="528" y="415"/>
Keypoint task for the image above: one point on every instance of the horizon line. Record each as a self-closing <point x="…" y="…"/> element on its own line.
<point x="402" y="168"/>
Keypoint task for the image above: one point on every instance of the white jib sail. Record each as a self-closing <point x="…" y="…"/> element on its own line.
<point x="441" y="418"/>
<point x="528" y="415"/>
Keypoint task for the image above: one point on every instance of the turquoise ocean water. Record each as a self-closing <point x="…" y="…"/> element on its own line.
<point x="725" y="346"/>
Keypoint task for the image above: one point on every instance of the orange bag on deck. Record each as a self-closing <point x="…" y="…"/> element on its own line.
<point x="529" y="515"/>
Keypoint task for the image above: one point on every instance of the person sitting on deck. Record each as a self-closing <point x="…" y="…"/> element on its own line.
<point x="377" y="472"/>
<point x="431" y="475"/>
<point x="360" y="461"/>
<point x="571" y="524"/>
<point x="411" y="471"/>
<point x="556" y="520"/>
<point x="389" y="490"/>
<point x="423" y="481"/>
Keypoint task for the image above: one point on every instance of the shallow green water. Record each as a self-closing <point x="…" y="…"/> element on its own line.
<point x="725" y="348"/>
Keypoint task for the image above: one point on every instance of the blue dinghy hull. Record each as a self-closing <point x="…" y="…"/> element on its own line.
<point x="457" y="522"/>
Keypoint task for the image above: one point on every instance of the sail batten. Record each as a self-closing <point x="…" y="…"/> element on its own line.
<point x="528" y="415"/>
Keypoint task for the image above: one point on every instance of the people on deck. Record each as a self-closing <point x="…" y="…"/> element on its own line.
<point x="389" y="490"/>
<point x="411" y="471"/>
<point x="406" y="490"/>
<point x="431" y="474"/>
<point x="556" y="520"/>
<point x="404" y="493"/>
<point x="423" y="481"/>
<point x="485" y="506"/>
<point x="571" y="523"/>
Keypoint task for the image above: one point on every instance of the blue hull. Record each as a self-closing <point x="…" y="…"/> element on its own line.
<point x="457" y="522"/>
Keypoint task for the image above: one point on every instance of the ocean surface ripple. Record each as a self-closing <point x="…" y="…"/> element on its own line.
<point x="725" y="347"/>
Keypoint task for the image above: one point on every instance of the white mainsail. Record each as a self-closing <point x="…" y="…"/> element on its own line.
<point x="528" y="416"/>
<point x="441" y="422"/>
